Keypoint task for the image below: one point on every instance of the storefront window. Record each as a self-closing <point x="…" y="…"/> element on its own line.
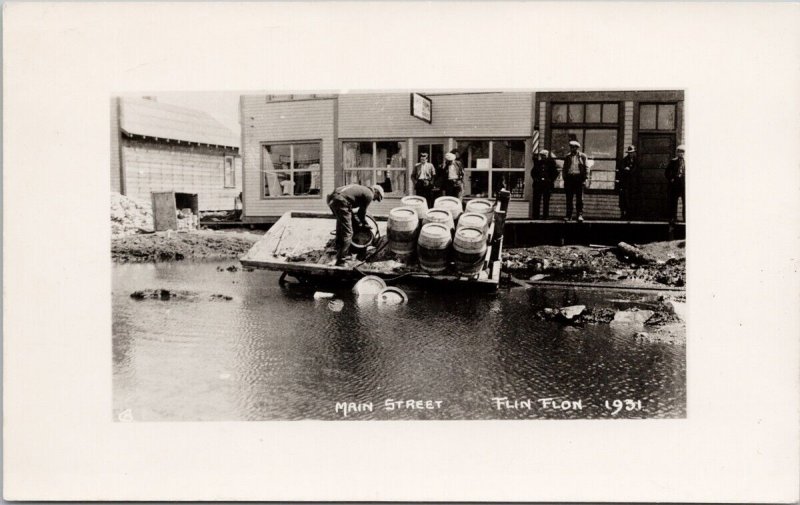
<point x="291" y="169"/>
<point x="491" y="165"/>
<point x="376" y="162"/>
<point x="657" y="116"/>
<point x="590" y="113"/>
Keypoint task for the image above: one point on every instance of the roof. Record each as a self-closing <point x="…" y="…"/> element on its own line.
<point x="164" y="121"/>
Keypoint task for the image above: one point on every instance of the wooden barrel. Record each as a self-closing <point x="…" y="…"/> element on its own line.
<point x="402" y="230"/>
<point x="450" y="203"/>
<point x="432" y="246"/>
<point x="473" y="220"/>
<point x="418" y="203"/>
<point x="469" y="248"/>
<point x="482" y="206"/>
<point x="441" y="216"/>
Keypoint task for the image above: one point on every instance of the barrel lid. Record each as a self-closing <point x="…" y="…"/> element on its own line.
<point x="470" y="232"/>
<point x="403" y="212"/>
<point x="369" y="285"/>
<point x="436" y="229"/>
<point x="391" y="296"/>
<point x="480" y="205"/>
<point x="414" y="200"/>
<point x="440" y="211"/>
<point x="446" y="201"/>
<point x="472" y="216"/>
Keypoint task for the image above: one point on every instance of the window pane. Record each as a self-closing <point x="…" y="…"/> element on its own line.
<point x="277" y="157"/>
<point x="395" y="154"/>
<point x="602" y="174"/>
<point x="576" y="113"/>
<point x="365" y="177"/>
<point x="229" y="173"/>
<point x="477" y="184"/>
<point x="508" y="154"/>
<point x="306" y="156"/>
<point x="306" y="183"/>
<point x="593" y="112"/>
<point x="560" y="113"/>
<point x="559" y="144"/>
<point x="393" y="181"/>
<point x="666" y="117"/>
<point x="512" y="181"/>
<point x="273" y="183"/>
<point x="471" y="151"/>
<point x="647" y="117"/>
<point x="601" y="143"/>
<point x="357" y="155"/>
<point x="610" y="113"/>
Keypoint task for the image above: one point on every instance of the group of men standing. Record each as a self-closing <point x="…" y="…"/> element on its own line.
<point x="575" y="173"/>
<point x="431" y="182"/>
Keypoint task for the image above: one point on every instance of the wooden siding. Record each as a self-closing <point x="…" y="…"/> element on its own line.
<point x="264" y="121"/>
<point x="386" y="115"/>
<point x="152" y="166"/>
<point x="595" y="206"/>
<point x="116" y="181"/>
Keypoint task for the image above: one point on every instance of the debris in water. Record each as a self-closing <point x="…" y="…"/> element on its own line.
<point x="336" y="305"/>
<point x="571" y="312"/>
<point x="232" y="268"/>
<point x="633" y="316"/>
<point x="538" y="277"/>
<point x="370" y="285"/>
<point x="218" y="296"/>
<point x="391" y="296"/>
<point x="322" y="295"/>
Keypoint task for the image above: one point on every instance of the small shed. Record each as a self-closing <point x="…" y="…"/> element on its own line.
<point x="160" y="147"/>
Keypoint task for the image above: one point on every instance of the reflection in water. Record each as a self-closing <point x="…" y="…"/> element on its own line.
<point x="276" y="353"/>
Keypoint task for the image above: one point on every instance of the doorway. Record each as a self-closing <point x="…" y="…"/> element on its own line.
<point x="434" y="150"/>
<point x="655" y="151"/>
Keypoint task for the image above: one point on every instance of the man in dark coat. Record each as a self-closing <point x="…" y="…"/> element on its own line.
<point x="342" y="202"/>
<point x="544" y="174"/>
<point x="623" y="180"/>
<point x="423" y="176"/>
<point x="676" y="183"/>
<point x="575" y="172"/>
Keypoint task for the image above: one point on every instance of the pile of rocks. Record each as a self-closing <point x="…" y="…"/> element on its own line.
<point x="130" y="216"/>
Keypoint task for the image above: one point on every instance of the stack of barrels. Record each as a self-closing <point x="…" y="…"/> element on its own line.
<point x="441" y="234"/>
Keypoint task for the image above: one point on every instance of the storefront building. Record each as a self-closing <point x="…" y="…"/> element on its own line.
<point x="297" y="148"/>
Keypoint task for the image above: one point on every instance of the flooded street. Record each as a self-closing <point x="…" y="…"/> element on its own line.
<point x="273" y="353"/>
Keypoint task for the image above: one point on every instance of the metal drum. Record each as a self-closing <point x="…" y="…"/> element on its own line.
<point x="469" y="248"/>
<point x="432" y="246"/>
<point x="450" y="203"/>
<point x="402" y="230"/>
<point x="473" y="220"/>
<point x="418" y="203"/>
<point x="441" y="216"/>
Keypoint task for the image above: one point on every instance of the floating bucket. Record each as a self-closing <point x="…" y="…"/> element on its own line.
<point x="418" y="203"/>
<point x="370" y="285"/>
<point x="440" y="216"/>
<point x="391" y="296"/>
<point x="473" y="220"/>
<point x="450" y="203"/>
<point x="482" y="206"/>
<point x="402" y="230"/>
<point x="432" y="246"/>
<point x="469" y="248"/>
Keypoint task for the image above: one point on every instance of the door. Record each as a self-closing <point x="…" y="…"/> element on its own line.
<point x="435" y="152"/>
<point x="655" y="151"/>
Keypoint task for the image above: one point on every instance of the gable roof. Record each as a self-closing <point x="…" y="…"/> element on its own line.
<point x="164" y="121"/>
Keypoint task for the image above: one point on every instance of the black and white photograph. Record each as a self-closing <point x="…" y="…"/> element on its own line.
<point x="401" y="252"/>
<point x="421" y="255"/>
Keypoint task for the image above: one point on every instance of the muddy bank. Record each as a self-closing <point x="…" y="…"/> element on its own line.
<point x="656" y="264"/>
<point x="173" y="246"/>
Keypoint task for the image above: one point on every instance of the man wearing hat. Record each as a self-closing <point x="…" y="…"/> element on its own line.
<point x="342" y="202"/>
<point x="676" y="183"/>
<point x="544" y="174"/>
<point x="453" y="175"/>
<point x="575" y="172"/>
<point x="623" y="180"/>
<point x="423" y="177"/>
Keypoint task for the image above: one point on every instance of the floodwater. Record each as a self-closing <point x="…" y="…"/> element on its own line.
<point x="274" y="353"/>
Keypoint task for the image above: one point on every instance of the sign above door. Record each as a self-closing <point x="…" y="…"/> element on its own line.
<point x="421" y="107"/>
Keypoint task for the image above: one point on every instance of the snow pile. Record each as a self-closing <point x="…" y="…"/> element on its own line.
<point x="129" y="216"/>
